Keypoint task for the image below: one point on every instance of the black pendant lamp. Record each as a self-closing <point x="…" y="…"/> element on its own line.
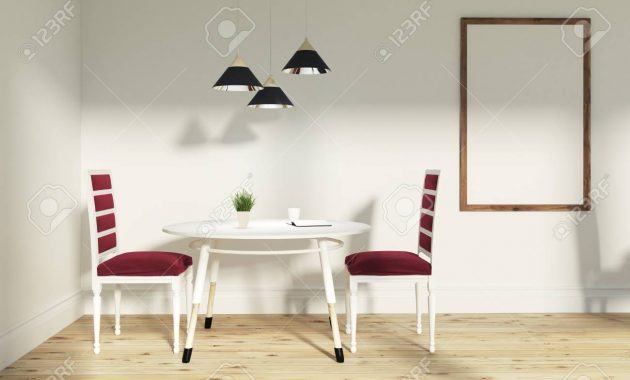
<point x="271" y="96"/>
<point x="306" y="61"/>
<point x="238" y="77"/>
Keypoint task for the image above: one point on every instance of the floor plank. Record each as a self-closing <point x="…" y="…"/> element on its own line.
<point x="470" y="346"/>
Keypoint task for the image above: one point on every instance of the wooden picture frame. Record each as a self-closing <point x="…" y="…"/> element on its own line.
<point x="586" y="114"/>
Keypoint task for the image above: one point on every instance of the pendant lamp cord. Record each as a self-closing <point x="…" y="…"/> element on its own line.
<point x="305" y="18"/>
<point x="270" y="49"/>
<point x="238" y="25"/>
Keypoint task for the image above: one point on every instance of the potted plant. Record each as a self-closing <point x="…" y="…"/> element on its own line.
<point x="243" y="202"/>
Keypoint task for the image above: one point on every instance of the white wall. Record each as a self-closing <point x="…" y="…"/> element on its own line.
<point x="40" y="290"/>
<point x="178" y="148"/>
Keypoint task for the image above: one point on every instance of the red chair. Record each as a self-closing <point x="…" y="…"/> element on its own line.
<point x="388" y="266"/>
<point x="111" y="266"/>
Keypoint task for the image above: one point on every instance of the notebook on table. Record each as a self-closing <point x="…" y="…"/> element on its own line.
<point x="310" y="223"/>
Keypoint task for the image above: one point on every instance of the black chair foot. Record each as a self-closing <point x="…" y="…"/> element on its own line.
<point x="339" y="354"/>
<point x="188" y="354"/>
<point x="208" y="323"/>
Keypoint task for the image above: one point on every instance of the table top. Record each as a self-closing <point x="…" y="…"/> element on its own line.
<point x="263" y="229"/>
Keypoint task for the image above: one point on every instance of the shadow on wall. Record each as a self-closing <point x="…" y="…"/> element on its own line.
<point x="594" y="280"/>
<point x="238" y="130"/>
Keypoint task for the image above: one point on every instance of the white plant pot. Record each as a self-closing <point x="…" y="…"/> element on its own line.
<point x="243" y="218"/>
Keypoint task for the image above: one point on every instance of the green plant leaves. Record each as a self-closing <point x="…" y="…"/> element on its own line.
<point x="243" y="200"/>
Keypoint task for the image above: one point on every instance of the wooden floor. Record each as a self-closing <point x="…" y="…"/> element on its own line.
<point x="469" y="346"/>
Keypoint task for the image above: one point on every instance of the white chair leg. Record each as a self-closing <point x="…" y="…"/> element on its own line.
<point x="418" y="309"/>
<point x="176" y="312"/>
<point x="189" y="289"/>
<point x="117" y="299"/>
<point x="96" y="300"/>
<point x="431" y="318"/>
<point x="348" y="312"/>
<point x="353" y="315"/>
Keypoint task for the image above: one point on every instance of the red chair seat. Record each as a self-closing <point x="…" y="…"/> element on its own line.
<point x="145" y="263"/>
<point x="387" y="263"/>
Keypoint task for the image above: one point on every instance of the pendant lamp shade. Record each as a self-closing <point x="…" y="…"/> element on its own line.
<point x="238" y="77"/>
<point x="270" y="97"/>
<point x="306" y="61"/>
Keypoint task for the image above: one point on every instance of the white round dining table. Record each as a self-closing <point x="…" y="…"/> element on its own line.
<point x="210" y="233"/>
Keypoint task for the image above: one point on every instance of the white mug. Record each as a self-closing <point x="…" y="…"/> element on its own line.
<point x="294" y="214"/>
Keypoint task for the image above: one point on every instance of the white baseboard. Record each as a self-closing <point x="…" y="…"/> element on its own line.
<point x="381" y="300"/>
<point x="24" y="337"/>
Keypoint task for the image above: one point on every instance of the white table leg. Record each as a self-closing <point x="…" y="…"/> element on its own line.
<point x="214" y="274"/>
<point x="329" y="286"/>
<point x="200" y="278"/>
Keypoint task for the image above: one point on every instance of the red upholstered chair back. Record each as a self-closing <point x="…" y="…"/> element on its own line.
<point x="427" y="213"/>
<point x="101" y="212"/>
